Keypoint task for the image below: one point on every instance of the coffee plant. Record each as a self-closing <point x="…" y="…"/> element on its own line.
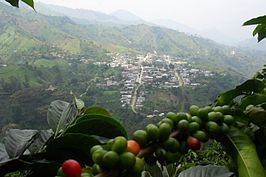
<point x="86" y="142"/>
<point x="90" y="142"/>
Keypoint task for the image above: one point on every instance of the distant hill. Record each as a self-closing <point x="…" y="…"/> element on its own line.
<point x="212" y="34"/>
<point x="127" y="17"/>
<point x="23" y="32"/>
<point x="175" y="26"/>
<point x="252" y="44"/>
<point x="82" y="16"/>
<point x="44" y="57"/>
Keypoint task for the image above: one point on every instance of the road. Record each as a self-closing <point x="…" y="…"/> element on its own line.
<point x="179" y="78"/>
<point x="135" y="92"/>
<point x="182" y="95"/>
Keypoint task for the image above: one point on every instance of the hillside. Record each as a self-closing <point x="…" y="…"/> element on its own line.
<point x="252" y="44"/>
<point x="44" y="58"/>
<point x="32" y="31"/>
<point x="85" y="16"/>
<point x="24" y="32"/>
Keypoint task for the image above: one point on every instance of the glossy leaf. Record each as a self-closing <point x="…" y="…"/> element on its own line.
<point x="243" y="150"/>
<point x="251" y="85"/>
<point x="257" y="116"/>
<point x="227" y="97"/>
<point x="97" y="110"/>
<point x="67" y="117"/>
<point x="206" y="171"/>
<point x="71" y="145"/>
<point x="153" y="171"/>
<point x="247" y="87"/>
<point x="40" y="140"/>
<point x="54" y="113"/>
<point x="255" y="21"/>
<point x="29" y="2"/>
<point x="17" y="141"/>
<point x="13" y="2"/>
<point x="260" y="28"/>
<point x="252" y="99"/>
<point x="98" y="125"/>
<point x="3" y="153"/>
<point x="262" y="33"/>
<point x="34" y="163"/>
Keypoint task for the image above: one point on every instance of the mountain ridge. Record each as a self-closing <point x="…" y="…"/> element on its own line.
<point x="76" y="39"/>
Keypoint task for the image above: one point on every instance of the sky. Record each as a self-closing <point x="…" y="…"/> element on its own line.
<point x="227" y="16"/>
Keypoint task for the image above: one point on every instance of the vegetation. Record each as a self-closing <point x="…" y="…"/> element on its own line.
<point x="37" y="65"/>
<point x="101" y="147"/>
<point x="237" y="123"/>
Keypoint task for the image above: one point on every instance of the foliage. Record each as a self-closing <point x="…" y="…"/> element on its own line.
<point x="211" y="154"/>
<point x="47" y="151"/>
<point x="206" y="171"/>
<point x="243" y="150"/>
<point x="16" y="2"/>
<point x="260" y="29"/>
<point x="75" y="133"/>
<point x="247" y="100"/>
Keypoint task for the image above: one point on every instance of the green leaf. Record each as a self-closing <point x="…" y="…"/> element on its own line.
<point x="261" y="26"/>
<point x="243" y="151"/>
<point x="54" y="113"/>
<point x="262" y="34"/>
<point x="258" y="29"/>
<point x="153" y="171"/>
<point x="252" y="99"/>
<point x="17" y="141"/>
<point x="257" y="116"/>
<point x="67" y="117"/>
<point x="3" y="153"/>
<point x="206" y="171"/>
<point x="29" y="2"/>
<point x="247" y="87"/>
<point x="71" y="145"/>
<point x="251" y="85"/>
<point x="227" y="97"/>
<point x="97" y="110"/>
<point x="254" y="21"/>
<point x="98" y="125"/>
<point x="40" y="140"/>
<point x="34" y="163"/>
<point x="13" y="2"/>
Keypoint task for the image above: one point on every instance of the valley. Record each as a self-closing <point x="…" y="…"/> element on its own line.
<point x="151" y="70"/>
<point x="137" y="71"/>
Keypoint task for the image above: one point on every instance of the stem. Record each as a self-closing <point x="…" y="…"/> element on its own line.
<point x="147" y="151"/>
<point x="174" y="133"/>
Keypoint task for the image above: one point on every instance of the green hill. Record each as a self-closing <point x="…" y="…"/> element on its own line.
<point x="24" y="31"/>
<point x="43" y="58"/>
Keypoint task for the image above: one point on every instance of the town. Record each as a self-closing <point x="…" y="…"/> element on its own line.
<point x="158" y="71"/>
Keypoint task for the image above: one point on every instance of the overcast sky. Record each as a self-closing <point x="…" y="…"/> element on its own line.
<point x="224" y="15"/>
